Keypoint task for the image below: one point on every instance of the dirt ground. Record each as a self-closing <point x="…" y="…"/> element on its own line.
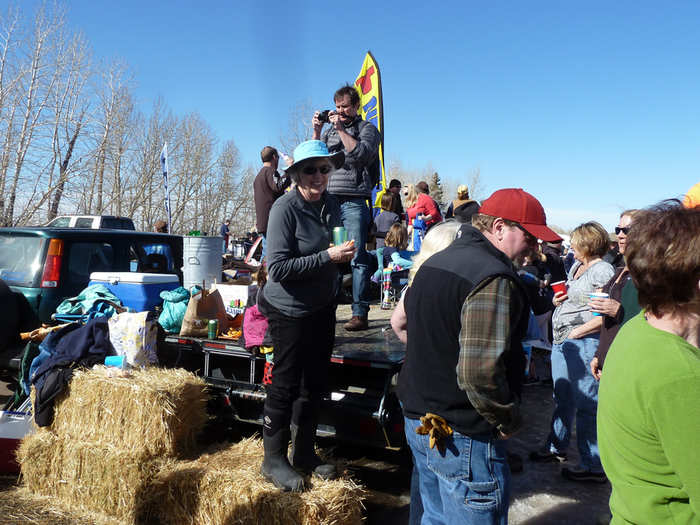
<point x="540" y="494"/>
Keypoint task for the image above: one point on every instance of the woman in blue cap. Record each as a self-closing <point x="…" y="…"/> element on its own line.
<point x="299" y="301"/>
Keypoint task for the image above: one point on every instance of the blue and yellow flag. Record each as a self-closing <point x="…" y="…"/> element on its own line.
<point x="369" y="86"/>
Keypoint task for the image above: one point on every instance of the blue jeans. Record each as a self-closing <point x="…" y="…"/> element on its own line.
<point x="575" y="393"/>
<point x="355" y="215"/>
<point x="469" y="483"/>
<point x="264" y="245"/>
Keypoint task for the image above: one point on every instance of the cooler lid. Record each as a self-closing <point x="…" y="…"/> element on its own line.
<point x="134" y="277"/>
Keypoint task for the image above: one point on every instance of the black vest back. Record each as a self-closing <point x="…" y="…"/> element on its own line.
<point x="433" y="303"/>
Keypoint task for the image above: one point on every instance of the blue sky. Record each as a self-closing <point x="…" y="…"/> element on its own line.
<point x="593" y="107"/>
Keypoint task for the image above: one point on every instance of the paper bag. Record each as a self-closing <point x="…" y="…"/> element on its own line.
<point x="202" y="307"/>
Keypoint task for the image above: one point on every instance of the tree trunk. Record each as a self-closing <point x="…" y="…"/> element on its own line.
<point x="63" y="176"/>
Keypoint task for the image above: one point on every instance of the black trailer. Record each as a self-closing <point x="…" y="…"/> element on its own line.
<point x="361" y="407"/>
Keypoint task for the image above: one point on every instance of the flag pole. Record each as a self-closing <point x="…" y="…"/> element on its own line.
<point x="164" y="167"/>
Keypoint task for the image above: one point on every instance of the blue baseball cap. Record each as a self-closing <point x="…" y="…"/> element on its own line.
<point x="315" y="149"/>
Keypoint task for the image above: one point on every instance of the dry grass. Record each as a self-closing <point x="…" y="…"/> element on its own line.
<point x="225" y="487"/>
<point x="153" y="411"/>
<point x="90" y="477"/>
<point x="18" y="506"/>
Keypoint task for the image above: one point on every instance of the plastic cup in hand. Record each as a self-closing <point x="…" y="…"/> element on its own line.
<point x="598" y="295"/>
<point x="559" y="286"/>
<point x="340" y="235"/>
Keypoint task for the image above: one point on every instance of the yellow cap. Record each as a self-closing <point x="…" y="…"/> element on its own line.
<point x="692" y="198"/>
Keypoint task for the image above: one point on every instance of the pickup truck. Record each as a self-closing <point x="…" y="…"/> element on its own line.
<point x="49" y="264"/>
<point x="109" y="222"/>
<point x="362" y="406"/>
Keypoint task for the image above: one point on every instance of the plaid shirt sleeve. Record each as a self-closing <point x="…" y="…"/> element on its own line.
<point x="487" y="316"/>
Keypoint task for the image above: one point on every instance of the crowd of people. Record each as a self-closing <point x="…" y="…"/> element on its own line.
<point x="623" y="325"/>
<point x="479" y="276"/>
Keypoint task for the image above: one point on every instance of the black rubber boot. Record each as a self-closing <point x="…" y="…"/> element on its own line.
<point x="275" y="467"/>
<point x="303" y="455"/>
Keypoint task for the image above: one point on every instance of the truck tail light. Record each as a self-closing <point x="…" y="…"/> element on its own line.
<point x="52" y="266"/>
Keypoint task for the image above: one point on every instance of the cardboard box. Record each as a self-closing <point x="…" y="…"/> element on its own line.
<point x="235" y="294"/>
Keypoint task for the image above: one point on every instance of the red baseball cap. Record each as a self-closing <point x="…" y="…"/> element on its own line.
<point x="515" y="204"/>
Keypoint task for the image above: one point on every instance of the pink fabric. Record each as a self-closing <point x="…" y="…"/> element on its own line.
<point x="254" y="327"/>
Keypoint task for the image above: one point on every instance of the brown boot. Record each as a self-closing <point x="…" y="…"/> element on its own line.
<point x="356" y="323"/>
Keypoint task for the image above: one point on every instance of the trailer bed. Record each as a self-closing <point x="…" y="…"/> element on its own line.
<point x="361" y="406"/>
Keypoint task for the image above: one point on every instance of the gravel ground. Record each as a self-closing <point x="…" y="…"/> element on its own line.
<point x="540" y="494"/>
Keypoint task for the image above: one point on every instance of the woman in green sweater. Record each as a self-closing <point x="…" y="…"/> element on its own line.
<point x="648" y="407"/>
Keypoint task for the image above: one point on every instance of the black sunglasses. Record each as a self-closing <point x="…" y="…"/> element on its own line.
<point x="310" y="170"/>
<point x="528" y="235"/>
<point x="624" y="230"/>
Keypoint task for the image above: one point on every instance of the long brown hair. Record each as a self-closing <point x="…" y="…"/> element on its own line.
<point x="397" y="236"/>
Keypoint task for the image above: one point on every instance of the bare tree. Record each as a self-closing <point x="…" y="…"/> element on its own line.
<point x="192" y="178"/>
<point x="230" y="189"/>
<point x="242" y="212"/>
<point x="145" y="195"/>
<point x="36" y="81"/>
<point x="9" y="78"/>
<point x="115" y="106"/>
<point x="71" y="139"/>
<point x="477" y="190"/>
<point x="298" y="126"/>
<point x="70" y="111"/>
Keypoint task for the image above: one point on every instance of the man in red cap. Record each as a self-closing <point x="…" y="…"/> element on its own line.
<point x="460" y="383"/>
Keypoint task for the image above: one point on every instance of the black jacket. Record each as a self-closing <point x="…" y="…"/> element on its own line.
<point x="74" y="346"/>
<point x="428" y="380"/>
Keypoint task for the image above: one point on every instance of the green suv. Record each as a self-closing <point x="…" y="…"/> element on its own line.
<point x="48" y="265"/>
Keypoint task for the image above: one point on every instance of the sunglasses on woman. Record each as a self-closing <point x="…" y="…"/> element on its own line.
<point x="624" y="230"/>
<point x="311" y="170"/>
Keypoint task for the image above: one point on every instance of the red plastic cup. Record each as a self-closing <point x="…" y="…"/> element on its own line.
<point x="559" y="286"/>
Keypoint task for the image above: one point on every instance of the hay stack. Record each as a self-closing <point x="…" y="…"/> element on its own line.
<point x="153" y="411"/>
<point x="110" y="435"/>
<point x="114" y="447"/>
<point x="91" y="477"/>
<point x="226" y="486"/>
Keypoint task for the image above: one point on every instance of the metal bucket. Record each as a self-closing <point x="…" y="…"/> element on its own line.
<point x="238" y="250"/>
<point x="202" y="258"/>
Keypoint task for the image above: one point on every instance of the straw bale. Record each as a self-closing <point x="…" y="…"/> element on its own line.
<point x="226" y="487"/>
<point x="92" y="477"/>
<point x="151" y="411"/>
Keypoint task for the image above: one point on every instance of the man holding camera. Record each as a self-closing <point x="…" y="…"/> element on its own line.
<point x="352" y="184"/>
